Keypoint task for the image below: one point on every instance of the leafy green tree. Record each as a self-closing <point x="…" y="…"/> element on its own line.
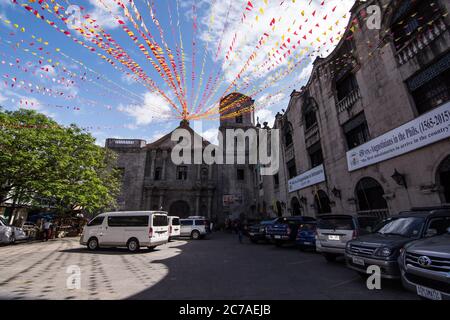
<point x="40" y="159"/>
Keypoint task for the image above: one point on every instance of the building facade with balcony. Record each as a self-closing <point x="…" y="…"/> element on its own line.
<point x="370" y="131"/>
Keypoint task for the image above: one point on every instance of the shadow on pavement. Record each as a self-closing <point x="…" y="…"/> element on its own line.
<point x="110" y="251"/>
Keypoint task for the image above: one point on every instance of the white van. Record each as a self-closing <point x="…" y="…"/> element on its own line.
<point x="131" y="229"/>
<point x="174" y="227"/>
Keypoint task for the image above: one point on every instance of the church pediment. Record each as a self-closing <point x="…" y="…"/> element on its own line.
<point x="166" y="142"/>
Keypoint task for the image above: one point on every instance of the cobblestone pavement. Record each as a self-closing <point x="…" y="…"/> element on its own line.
<point x="215" y="268"/>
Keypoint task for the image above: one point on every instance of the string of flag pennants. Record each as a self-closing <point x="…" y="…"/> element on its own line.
<point x="190" y="74"/>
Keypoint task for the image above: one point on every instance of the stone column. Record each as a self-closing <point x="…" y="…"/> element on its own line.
<point x="198" y="171"/>
<point x="164" y="155"/>
<point x="209" y="204"/>
<point x="210" y="172"/>
<point x="197" y="203"/>
<point x="148" y="199"/>
<point x="161" y="201"/>
<point x="152" y="164"/>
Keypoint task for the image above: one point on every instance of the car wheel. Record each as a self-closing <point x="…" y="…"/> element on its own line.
<point x="195" y="235"/>
<point x="92" y="244"/>
<point x="133" y="245"/>
<point x="330" y="257"/>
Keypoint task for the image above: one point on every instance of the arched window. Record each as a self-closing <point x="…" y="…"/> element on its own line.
<point x="279" y="209"/>
<point x="296" y="207"/>
<point x="158" y="174"/>
<point x="309" y="114"/>
<point x="370" y="195"/>
<point x="182" y="173"/>
<point x="322" y="202"/>
<point x="288" y="134"/>
<point x="443" y="179"/>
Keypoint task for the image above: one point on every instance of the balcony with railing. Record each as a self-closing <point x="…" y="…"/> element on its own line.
<point x="349" y="100"/>
<point x="421" y="41"/>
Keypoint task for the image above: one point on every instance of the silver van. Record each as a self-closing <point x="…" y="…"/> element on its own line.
<point x="335" y="230"/>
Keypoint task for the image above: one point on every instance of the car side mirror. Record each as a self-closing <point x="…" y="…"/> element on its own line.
<point x="431" y="233"/>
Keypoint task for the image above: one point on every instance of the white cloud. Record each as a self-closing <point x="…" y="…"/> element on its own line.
<point x="288" y="20"/>
<point x="128" y="79"/>
<point x="101" y="13"/>
<point x="157" y="135"/>
<point x="305" y="74"/>
<point x="3" y="98"/>
<point x="46" y="70"/>
<point x="271" y="99"/>
<point x="211" y="135"/>
<point x="265" y="115"/>
<point x="154" y="108"/>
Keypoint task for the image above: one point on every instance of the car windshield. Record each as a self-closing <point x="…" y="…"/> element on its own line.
<point x="3" y="220"/>
<point x="268" y="222"/>
<point x="336" y="223"/>
<point x="408" y="227"/>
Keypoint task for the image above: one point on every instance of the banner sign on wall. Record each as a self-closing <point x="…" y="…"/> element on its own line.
<point x="420" y="132"/>
<point x="307" y="179"/>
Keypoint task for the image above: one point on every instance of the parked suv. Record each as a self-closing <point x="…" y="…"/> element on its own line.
<point x="257" y="232"/>
<point x="335" y="230"/>
<point x="382" y="248"/>
<point x="425" y="267"/>
<point x="285" y="229"/>
<point x="195" y="227"/>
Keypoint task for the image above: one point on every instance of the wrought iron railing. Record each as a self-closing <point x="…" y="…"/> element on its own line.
<point x="349" y="100"/>
<point x="380" y="213"/>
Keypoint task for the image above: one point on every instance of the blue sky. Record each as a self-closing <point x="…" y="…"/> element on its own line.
<point x="77" y="86"/>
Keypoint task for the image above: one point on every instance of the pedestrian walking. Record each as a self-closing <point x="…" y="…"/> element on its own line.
<point x="47" y="230"/>
<point x="240" y="231"/>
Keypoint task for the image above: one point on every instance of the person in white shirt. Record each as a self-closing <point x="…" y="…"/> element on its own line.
<point x="47" y="226"/>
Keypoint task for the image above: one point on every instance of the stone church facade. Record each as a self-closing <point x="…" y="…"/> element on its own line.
<point x="152" y="181"/>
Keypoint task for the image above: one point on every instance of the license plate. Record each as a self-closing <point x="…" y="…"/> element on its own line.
<point x="307" y="242"/>
<point x="358" y="261"/>
<point x="277" y="237"/>
<point x="251" y="234"/>
<point x="334" y="238"/>
<point x="428" y="293"/>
